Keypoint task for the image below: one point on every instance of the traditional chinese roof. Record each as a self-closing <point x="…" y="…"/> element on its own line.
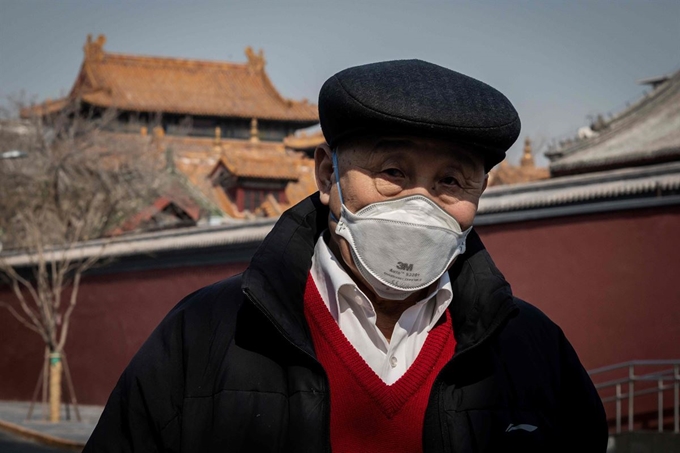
<point x="195" y="159"/>
<point x="171" y="210"/>
<point x="258" y="166"/>
<point x="182" y="86"/>
<point x="647" y="132"/>
<point x="198" y="159"/>
<point x="526" y="171"/>
<point x="47" y="107"/>
<point x="302" y="141"/>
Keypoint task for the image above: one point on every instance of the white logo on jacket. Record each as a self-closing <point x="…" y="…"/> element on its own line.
<point x="523" y="427"/>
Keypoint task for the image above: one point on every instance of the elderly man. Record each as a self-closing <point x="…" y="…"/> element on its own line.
<point x="371" y="318"/>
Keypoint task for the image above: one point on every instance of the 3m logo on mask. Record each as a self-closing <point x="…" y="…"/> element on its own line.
<point x="404" y="266"/>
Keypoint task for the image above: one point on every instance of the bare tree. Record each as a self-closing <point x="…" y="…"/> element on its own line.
<point x="76" y="182"/>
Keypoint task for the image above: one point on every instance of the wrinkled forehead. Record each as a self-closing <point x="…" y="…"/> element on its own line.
<point x="375" y="147"/>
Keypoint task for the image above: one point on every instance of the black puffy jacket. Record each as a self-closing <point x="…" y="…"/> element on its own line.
<point x="232" y="367"/>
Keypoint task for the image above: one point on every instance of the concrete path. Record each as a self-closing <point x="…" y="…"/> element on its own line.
<point x="65" y="434"/>
<point x="10" y="443"/>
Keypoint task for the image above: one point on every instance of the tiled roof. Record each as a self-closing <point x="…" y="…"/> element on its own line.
<point x="197" y="159"/>
<point x="647" y="132"/>
<point x="242" y="232"/>
<point x="511" y="174"/>
<point x="302" y="141"/>
<point x="260" y="166"/>
<point x="653" y="180"/>
<point x="45" y="108"/>
<point x="526" y="171"/>
<point x="270" y="207"/>
<point x="140" y="221"/>
<point x="305" y="185"/>
<point x="182" y="86"/>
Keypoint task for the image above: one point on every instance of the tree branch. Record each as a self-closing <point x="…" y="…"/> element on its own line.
<point x="67" y="316"/>
<point x="21" y="319"/>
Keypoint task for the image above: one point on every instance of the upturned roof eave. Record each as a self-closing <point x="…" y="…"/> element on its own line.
<point x="302" y="120"/>
<point x="639" y="158"/>
<point x="619" y="123"/>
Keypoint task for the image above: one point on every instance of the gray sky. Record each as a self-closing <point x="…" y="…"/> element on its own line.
<point x="557" y="61"/>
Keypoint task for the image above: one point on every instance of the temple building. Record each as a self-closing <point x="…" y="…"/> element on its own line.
<point x="186" y="97"/>
<point x="222" y="125"/>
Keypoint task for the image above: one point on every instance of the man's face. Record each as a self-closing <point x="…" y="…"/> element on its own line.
<point x="384" y="168"/>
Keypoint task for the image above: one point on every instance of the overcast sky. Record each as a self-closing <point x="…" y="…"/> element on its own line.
<point x="557" y="61"/>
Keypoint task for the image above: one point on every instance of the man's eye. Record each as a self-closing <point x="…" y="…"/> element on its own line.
<point x="450" y="181"/>
<point x="394" y="173"/>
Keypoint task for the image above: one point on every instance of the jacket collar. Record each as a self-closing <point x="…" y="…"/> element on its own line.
<point x="482" y="298"/>
<point x="276" y="277"/>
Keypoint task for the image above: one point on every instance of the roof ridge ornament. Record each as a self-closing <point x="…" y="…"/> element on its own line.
<point x="158" y="135"/>
<point x="256" y="61"/>
<point x="254" y="133"/>
<point x="527" y="156"/>
<point x="217" y="142"/>
<point x="94" y="50"/>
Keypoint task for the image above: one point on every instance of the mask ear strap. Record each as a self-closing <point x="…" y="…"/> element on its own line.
<point x="337" y="181"/>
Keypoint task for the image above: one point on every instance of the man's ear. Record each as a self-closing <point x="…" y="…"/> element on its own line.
<point x="323" y="171"/>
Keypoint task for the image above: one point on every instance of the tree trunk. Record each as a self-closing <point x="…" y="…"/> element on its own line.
<point x="56" y="368"/>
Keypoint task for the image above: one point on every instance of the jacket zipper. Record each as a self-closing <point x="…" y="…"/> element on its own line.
<point x="326" y="424"/>
<point x="446" y="441"/>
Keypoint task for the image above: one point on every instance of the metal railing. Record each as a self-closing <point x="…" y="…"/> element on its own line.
<point x="665" y="379"/>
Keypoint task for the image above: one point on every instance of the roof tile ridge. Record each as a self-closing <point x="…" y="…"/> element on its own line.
<point x="269" y="86"/>
<point x="225" y="160"/>
<point x="628" y="116"/>
<point x="77" y="83"/>
<point x="624" y="124"/>
<point x="189" y="139"/>
<point x="582" y="179"/>
<point x="648" y="101"/>
<point x="287" y="103"/>
<point x="170" y="61"/>
<point x="607" y="160"/>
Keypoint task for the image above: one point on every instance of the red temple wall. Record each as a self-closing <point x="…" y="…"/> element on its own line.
<point x="114" y="315"/>
<point x="611" y="281"/>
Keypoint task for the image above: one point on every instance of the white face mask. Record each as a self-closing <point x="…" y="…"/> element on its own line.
<point x="400" y="246"/>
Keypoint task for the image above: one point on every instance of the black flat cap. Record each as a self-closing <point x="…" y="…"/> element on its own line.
<point x="414" y="97"/>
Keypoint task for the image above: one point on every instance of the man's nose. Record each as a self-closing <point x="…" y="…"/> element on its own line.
<point x="421" y="186"/>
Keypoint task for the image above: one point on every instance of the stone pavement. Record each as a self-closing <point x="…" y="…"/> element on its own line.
<point x="67" y="434"/>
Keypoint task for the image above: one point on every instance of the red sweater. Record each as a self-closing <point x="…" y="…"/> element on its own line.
<point x="366" y="413"/>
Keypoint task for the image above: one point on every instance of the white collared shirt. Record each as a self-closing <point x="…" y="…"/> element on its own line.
<point x="356" y="317"/>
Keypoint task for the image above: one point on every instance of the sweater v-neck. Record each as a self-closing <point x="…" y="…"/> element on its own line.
<point x="389" y="398"/>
